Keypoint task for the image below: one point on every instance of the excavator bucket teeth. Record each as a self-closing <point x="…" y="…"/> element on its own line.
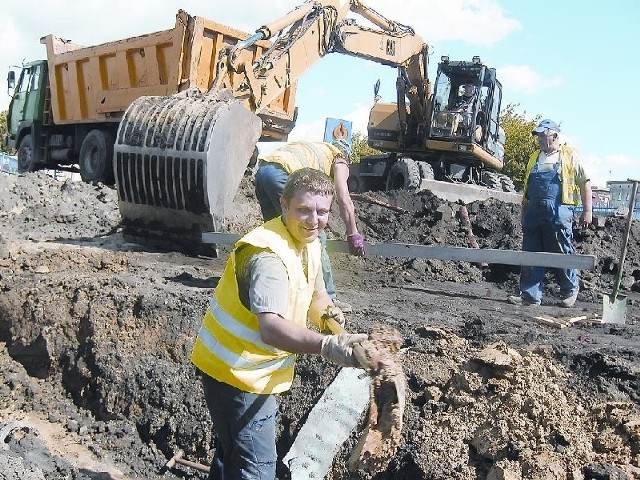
<point x="178" y="162"/>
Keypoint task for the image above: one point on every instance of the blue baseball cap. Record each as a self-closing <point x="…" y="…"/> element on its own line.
<point x="546" y="124"/>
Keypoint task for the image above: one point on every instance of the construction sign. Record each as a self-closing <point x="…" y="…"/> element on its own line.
<point x="337" y="129"/>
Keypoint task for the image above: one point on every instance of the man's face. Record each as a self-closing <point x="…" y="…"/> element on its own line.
<point x="468" y="89"/>
<point x="547" y="140"/>
<point x="306" y="215"/>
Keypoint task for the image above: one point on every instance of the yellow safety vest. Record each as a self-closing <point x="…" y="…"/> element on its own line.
<point x="570" y="188"/>
<point x="228" y="347"/>
<point x="297" y="155"/>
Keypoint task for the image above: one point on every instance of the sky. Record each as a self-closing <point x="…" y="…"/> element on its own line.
<point x="555" y="59"/>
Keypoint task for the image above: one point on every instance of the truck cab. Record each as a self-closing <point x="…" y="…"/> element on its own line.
<point x="25" y="115"/>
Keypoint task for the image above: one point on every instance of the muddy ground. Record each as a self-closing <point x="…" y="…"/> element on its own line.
<point x="95" y="334"/>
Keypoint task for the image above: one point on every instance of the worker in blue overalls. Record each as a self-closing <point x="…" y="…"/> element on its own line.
<point x="554" y="183"/>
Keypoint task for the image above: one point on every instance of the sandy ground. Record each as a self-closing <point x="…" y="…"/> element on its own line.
<point x="95" y="335"/>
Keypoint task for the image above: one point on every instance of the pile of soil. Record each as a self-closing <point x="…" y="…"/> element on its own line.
<point x="95" y="336"/>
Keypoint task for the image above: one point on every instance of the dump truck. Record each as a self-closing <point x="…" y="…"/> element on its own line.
<point x="183" y="110"/>
<point x="65" y="111"/>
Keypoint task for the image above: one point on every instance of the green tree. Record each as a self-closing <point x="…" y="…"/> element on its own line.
<point x="520" y="143"/>
<point x="360" y="147"/>
<point x="3" y="131"/>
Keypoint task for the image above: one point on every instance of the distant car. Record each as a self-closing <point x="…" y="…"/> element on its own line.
<point x="8" y="164"/>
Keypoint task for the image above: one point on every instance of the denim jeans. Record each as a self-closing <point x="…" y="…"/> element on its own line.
<point x="245" y="428"/>
<point x="270" y="180"/>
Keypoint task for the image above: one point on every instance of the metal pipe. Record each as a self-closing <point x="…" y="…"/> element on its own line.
<point x="270" y="28"/>
<point x="373" y="16"/>
<point x="256" y="37"/>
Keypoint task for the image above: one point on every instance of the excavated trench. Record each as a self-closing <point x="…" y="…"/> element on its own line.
<point x="96" y="334"/>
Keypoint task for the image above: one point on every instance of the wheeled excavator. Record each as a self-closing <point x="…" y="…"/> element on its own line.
<point x="179" y="159"/>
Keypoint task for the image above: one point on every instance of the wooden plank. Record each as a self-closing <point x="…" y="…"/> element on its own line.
<point x="550" y="322"/>
<point x="566" y="322"/>
<point x="442" y="252"/>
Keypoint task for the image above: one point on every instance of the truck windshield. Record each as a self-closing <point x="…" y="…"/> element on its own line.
<point x="29" y="79"/>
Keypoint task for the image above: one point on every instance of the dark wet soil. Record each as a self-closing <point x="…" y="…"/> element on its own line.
<point x="96" y="332"/>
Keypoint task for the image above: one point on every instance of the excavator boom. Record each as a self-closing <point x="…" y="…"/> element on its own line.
<point x="179" y="159"/>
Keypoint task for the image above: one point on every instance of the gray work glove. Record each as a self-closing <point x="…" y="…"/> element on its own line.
<point x="339" y="349"/>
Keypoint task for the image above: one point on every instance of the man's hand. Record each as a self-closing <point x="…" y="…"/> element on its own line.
<point x="339" y="349"/>
<point x="336" y="314"/>
<point x="356" y="244"/>
<point x="586" y="219"/>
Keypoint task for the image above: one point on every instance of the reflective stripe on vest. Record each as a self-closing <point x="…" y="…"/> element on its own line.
<point x="229" y="347"/>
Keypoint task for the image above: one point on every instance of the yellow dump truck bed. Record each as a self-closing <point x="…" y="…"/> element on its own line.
<point x="97" y="84"/>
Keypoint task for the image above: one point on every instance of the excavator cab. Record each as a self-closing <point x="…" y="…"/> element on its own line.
<point x="466" y="108"/>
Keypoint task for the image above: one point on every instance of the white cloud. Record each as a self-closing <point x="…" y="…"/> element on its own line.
<point x="460" y="20"/>
<point x="610" y="167"/>
<point x="523" y="79"/>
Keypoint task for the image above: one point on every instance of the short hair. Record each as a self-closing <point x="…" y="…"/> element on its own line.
<point x="309" y="180"/>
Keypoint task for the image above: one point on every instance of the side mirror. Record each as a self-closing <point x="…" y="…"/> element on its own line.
<point x="11" y="80"/>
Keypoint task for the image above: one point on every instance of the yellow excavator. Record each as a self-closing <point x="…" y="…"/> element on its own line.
<point x="178" y="159"/>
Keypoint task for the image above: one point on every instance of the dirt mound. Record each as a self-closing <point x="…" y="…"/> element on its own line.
<point x="96" y="332"/>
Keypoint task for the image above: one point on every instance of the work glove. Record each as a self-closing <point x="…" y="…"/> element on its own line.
<point x="356" y="244"/>
<point x="332" y="312"/>
<point x="339" y="349"/>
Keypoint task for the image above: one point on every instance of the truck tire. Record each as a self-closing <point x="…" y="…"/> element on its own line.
<point x="404" y="175"/>
<point x="426" y="171"/>
<point x="26" y="157"/>
<point x="96" y="157"/>
<point x="354" y="184"/>
<point x="507" y="183"/>
<point x="491" y="180"/>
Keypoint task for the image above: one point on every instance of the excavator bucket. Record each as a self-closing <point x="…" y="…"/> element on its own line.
<point x="178" y="162"/>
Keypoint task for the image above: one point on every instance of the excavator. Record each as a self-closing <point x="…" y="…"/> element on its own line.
<point x="179" y="159"/>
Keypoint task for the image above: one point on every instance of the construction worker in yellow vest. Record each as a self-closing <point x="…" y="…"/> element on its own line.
<point x="331" y="158"/>
<point x="256" y="323"/>
<point x="555" y="182"/>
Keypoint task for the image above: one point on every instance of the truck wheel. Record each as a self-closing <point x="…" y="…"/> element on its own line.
<point x="96" y="157"/>
<point x="491" y="180"/>
<point x="354" y="184"/>
<point x="26" y="157"/>
<point x="426" y="171"/>
<point x="404" y="175"/>
<point x="507" y="183"/>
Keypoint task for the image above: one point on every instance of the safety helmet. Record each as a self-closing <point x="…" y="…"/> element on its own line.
<point x="344" y="147"/>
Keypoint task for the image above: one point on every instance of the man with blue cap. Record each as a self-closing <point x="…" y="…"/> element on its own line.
<point x="332" y="159"/>
<point x="554" y="183"/>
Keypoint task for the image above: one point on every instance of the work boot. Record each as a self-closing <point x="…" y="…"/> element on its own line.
<point x="568" y="302"/>
<point x="524" y="302"/>
<point x="345" y="307"/>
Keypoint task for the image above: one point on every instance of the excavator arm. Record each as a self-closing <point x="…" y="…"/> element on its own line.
<point x="179" y="160"/>
<point x="310" y="32"/>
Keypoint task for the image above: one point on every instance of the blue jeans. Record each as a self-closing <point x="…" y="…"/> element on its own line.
<point x="553" y="237"/>
<point x="245" y="428"/>
<point x="270" y="180"/>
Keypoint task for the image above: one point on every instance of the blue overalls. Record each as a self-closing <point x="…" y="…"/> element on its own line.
<point x="547" y="226"/>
